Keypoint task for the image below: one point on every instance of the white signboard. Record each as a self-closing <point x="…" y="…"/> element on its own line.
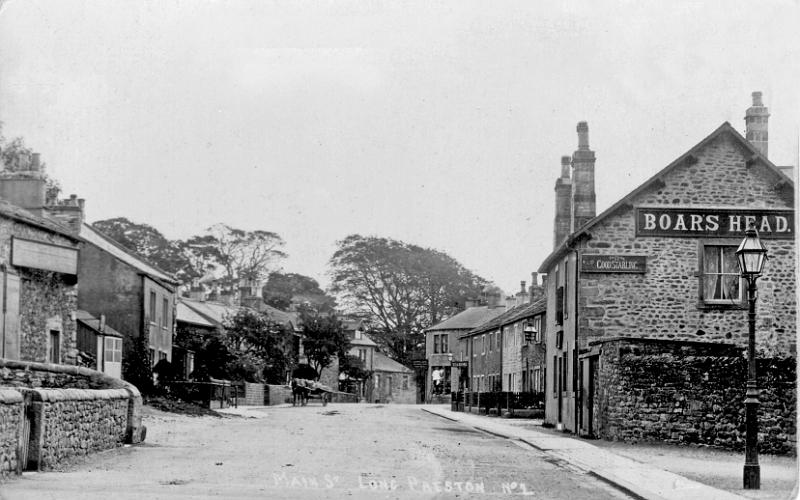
<point x="39" y="255"/>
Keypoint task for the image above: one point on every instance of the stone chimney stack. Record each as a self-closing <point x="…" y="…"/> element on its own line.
<point x="536" y="290"/>
<point x="23" y="184"/>
<point x="561" y="227"/>
<point x="522" y="296"/>
<point x="583" y="196"/>
<point x="69" y="212"/>
<point x="755" y="119"/>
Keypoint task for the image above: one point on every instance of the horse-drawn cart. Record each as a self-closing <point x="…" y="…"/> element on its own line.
<point x="304" y="389"/>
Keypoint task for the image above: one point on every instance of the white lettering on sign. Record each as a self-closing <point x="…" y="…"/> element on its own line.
<point x="722" y="222"/>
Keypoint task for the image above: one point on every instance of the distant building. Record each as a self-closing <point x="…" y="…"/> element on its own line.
<point x="363" y="348"/>
<point x="442" y="346"/>
<point x="393" y="382"/>
<point x="99" y="345"/>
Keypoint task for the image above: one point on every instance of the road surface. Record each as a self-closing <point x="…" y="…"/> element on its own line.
<point x="338" y="451"/>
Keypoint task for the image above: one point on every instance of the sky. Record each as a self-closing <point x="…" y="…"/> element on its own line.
<point x="438" y="123"/>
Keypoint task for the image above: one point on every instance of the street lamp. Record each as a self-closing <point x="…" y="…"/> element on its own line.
<point x="530" y="331"/>
<point x="751" y="255"/>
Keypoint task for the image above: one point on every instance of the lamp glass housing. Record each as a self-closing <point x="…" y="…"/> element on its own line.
<point x="530" y="331"/>
<point x="751" y="254"/>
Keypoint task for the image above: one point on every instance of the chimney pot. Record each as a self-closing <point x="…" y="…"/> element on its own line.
<point x="756" y="120"/>
<point x="583" y="135"/>
<point x="35" y="161"/>
<point x="534" y="279"/>
<point x="522" y="286"/>
<point x="566" y="162"/>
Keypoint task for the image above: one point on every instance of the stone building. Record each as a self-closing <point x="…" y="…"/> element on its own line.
<point x="38" y="272"/>
<point x="523" y="355"/>
<point x="443" y="345"/>
<point x="38" y="288"/>
<point x="393" y="382"/>
<point x="363" y="348"/>
<point x="646" y="324"/>
<point x="135" y="297"/>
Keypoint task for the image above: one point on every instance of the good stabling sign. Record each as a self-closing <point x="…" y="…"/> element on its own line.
<point x="613" y="263"/>
<point x="713" y="222"/>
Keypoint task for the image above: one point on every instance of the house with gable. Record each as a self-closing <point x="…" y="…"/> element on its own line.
<point x="443" y="345"/>
<point x="135" y="298"/>
<point x="647" y="324"/>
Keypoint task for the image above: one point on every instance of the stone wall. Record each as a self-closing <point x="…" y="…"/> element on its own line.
<point x="254" y="394"/>
<point x="277" y="394"/>
<point x="74" y="422"/>
<point x="11" y="414"/>
<point x="72" y="410"/>
<point x="691" y="393"/>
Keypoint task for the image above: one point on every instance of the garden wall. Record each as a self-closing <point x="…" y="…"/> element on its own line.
<point x="691" y="393"/>
<point x="277" y="394"/>
<point x="253" y="394"/>
<point x="63" y="411"/>
<point x="11" y="414"/>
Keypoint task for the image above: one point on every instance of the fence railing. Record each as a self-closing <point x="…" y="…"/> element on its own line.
<point x="487" y="401"/>
<point x="212" y="394"/>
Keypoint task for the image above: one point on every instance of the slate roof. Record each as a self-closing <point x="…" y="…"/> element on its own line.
<point x="214" y="312"/>
<point x="469" y="318"/>
<point x="217" y="312"/>
<point x="186" y="314"/>
<point x="383" y="363"/>
<point x="510" y="316"/>
<point x="725" y="128"/>
<point x="20" y="214"/>
<point x="90" y="321"/>
<point x="103" y="242"/>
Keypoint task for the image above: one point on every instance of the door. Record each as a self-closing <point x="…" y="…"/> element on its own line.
<point x="589" y="366"/>
<point x="112" y="356"/>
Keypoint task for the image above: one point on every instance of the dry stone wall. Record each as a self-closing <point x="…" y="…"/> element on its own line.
<point x="691" y="393"/>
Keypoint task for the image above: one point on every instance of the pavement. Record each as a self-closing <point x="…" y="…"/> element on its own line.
<point x="634" y="477"/>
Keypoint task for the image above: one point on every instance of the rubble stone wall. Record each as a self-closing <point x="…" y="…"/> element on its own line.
<point x="11" y="414"/>
<point x="76" y="422"/>
<point x="691" y="393"/>
<point x="72" y="410"/>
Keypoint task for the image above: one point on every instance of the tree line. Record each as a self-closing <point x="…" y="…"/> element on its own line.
<point x="399" y="289"/>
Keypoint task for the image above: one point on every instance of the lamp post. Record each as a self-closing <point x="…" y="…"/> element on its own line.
<point x="751" y="255"/>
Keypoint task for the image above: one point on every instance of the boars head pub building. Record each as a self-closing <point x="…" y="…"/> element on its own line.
<point x="649" y="332"/>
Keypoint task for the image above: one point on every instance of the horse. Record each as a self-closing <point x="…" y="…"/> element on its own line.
<point x="299" y="392"/>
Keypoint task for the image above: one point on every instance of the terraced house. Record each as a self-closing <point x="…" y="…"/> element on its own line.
<point x="647" y="324"/>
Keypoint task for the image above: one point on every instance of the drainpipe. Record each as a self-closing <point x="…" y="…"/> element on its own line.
<point x="576" y="383"/>
<point x="3" y="315"/>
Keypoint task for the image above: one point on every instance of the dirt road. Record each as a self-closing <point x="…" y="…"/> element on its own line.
<point x="339" y="451"/>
